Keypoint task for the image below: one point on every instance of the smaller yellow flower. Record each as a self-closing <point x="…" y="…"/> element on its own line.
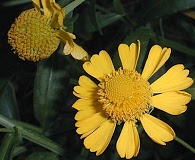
<point x="37" y="32"/>
<point x="126" y="97"/>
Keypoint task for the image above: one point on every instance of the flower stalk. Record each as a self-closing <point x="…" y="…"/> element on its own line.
<point x="183" y="143"/>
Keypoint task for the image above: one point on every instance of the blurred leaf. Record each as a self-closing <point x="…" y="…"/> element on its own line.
<point x="93" y="16"/>
<point x="86" y="25"/>
<point x="13" y="2"/>
<point x="32" y="135"/>
<point x="10" y="141"/>
<point x="43" y="156"/>
<point x="49" y="89"/>
<point x="156" y="9"/>
<point x="3" y="83"/>
<point x="70" y="7"/>
<point x="118" y="6"/>
<point x="8" y="103"/>
<point x="19" y="150"/>
<point x="191" y="90"/>
<point x="7" y="145"/>
<point x="173" y="45"/>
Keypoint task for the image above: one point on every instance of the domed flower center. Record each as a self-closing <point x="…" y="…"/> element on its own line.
<point x="125" y="95"/>
<point x="32" y="37"/>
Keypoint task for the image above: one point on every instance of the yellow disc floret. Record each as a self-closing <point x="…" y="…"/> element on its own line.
<point x="125" y="95"/>
<point x="32" y="37"/>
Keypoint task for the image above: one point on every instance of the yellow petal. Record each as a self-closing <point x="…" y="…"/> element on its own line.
<point x="58" y="15"/>
<point x="171" y="102"/>
<point x="91" y="123"/>
<point x="129" y="55"/>
<point x="83" y="114"/>
<point x="77" y="52"/>
<point x="36" y="4"/>
<point x="157" y="130"/>
<point x="173" y="80"/>
<point x="86" y="82"/>
<point x="100" y="65"/>
<point x="156" y="59"/>
<point x="82" y="92"/>
<point x="83" y="104"/>
<point x="66" y="39"/>
<point x="87" y="88"/>
<point x="128" y="143"/>
<point x="47" y="9"/>
<point x="100" y="138"/>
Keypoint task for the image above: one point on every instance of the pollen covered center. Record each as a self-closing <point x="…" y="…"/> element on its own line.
<point x="32" y="37"/>
<point x="125" y="95"/>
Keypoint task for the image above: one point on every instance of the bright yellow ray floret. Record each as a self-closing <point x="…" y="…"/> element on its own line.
<point x="124" y="96"/>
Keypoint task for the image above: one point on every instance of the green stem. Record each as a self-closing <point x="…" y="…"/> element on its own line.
<point x="183" y="143"/>
<point x="32" y="135"/>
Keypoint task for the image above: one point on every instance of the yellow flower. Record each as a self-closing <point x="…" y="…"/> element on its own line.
<point x="126" y="96"/>
<point x="37" y="32"/>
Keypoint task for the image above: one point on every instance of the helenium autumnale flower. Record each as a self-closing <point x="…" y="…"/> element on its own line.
<point x="125" y="97"/>
<point x="37" y="32"/>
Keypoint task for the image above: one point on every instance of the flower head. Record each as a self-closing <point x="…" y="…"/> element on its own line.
<point x="37" y="32"/>
<point x="126" y="96"/>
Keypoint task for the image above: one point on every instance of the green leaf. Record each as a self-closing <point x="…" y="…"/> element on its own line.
<point x="50" y="88"/>
<point x="93" y="16"/>
<point x="118" y="6"/>
<point x="14" y="2"/>
<point x="32" y="135"/>
<point x="7" y="146"/>
<point x="173" y="45"/>
<point x="86" y="25"/>
<point x="70" y="7"/>
<point x="8" y="103"/>
<point x="156" y="9"/>
<point x="43" y="156"/>
<point x="191" y="90"/>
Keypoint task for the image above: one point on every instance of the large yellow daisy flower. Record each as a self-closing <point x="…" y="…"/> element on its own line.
<point x="124" y="95"/>
<point x="37" y="32"/>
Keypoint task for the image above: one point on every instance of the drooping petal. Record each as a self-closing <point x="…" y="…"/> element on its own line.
<point x="157" y="130"/>
<point x="173" y="80"/>
<point x="156" y="59"/>
<point x="47" y="9"/>
<point x="129" y="55"/>
<point x="100" y="65"/>
<point x="90" y="123"/>
<point x="100" y="138"/>
<point x="87" y="88"/>
<point x="66" y="39"/>
<point x="58" y="15"/>
<point x="36" y="4"/>
<point x="171" y="102"/>
<point x="76" y="51"/>
<point x="128" y="143"/>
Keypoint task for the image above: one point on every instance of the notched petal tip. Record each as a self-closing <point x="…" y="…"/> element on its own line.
<point x="174" y="79"/>
<point x="156" y="59"/>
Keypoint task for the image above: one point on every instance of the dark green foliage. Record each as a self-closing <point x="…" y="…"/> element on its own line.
<point x="36" y="117"/>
